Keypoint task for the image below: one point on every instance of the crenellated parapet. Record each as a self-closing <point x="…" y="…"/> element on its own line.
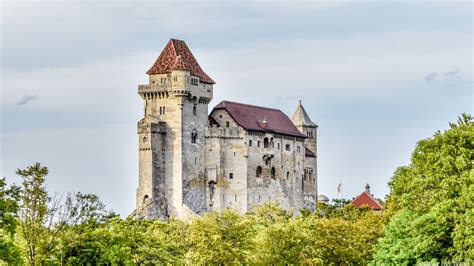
<point x="225" y="132"/>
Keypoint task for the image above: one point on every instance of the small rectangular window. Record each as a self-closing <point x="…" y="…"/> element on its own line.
<point x="298" y="148"/>
<point x="250" y="143"/>
<point x="278" y="145"/>
<point x="287" y="147"/>
<point x="258" y="143"/>
<point x="231" y="175"/>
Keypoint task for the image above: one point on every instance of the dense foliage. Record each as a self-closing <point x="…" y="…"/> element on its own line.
<point x="431" y="201"/>
<point x="79" y="230"/>
<point x="429" y="218"/>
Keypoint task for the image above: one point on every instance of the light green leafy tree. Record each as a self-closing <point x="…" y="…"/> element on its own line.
<point x="431" y="200"/>
<point x="9" y="251"/>
<point x="220" y="238"/>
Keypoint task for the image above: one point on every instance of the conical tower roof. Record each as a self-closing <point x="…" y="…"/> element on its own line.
<point x="177" y="56"/>
<point x="301" y="118"/>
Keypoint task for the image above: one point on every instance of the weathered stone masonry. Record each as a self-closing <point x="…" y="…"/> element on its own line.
<point x="239" y="156"/>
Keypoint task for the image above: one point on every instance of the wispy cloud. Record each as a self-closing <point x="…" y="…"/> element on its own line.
<point x="26" y="99"/>
<point x="431" y="77"/>
<point x="452" y="73"/>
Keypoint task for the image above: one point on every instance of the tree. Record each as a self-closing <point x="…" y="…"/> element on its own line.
<point x="33" y="208"/>
<point x="410" y="239"/>
<point x="319" y="240"/>
<point x="220" y="238"/>
<point x="41" y="218"/>
<point x="9" y="251"/>
<point x="77" y="242"/>
<point x="432" y="199"/>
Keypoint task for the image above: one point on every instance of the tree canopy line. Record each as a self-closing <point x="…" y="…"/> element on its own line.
<point x="428" y="217"/>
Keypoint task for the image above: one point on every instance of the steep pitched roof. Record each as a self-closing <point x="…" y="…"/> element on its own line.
<point x="366" y="199"/>
<point x="301" y="118"/>
<point x="259" y="118"/>
<point x="177" y="56"/>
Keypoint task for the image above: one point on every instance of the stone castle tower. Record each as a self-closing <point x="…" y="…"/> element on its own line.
<point x="172" y="173"/>
<point x="238" y="156"/>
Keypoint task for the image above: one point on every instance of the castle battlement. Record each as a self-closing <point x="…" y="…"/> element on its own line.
<point x="224" y="133"/>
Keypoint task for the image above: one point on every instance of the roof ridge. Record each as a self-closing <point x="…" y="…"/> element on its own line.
<point x="370" y="196"/>
<point x="174" y="48"/>
<point x="251" y="105"/>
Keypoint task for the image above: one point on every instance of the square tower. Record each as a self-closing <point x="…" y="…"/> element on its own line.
<point x="172" y="167"/>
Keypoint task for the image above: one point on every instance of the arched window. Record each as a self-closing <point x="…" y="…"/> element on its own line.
<point x="259" y="171"/>
<point x="194" y="136"/>
<point x="227" y="124"/>
<point x="287" y="175"/>
<point x="145" y="198"/>
<point x="273" y="173"/>
<point x="194" y="110"/>
<point x="265" y="143"/>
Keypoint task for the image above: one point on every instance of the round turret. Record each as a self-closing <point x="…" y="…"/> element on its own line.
<point x="323" y="199"/>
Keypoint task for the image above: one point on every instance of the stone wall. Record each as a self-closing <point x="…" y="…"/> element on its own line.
<point x="226" y="166"/>
<point x="284" y="186"/>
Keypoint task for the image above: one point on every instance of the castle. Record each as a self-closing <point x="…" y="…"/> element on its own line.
<point x="238" y="156"/>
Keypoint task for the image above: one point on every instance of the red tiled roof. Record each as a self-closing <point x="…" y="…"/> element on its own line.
<point x="177" y="56"/>
<point x="252" y="118"/>
<point x="366" y="199"/>
<point x="308" y="153"/>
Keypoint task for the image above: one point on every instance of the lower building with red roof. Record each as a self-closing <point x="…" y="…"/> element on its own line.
<point x="365" y="199"/>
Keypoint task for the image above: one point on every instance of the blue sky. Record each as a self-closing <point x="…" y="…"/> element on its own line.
<point x="376" y="77"/>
